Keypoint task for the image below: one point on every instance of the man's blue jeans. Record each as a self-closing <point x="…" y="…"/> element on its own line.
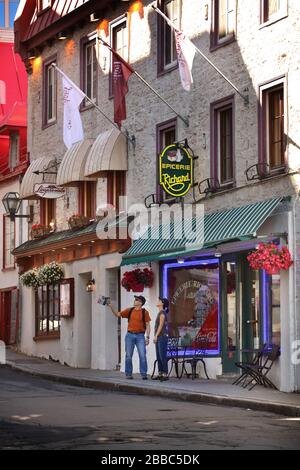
<point x="138" y="340"/>
<point x="161" y="354"/>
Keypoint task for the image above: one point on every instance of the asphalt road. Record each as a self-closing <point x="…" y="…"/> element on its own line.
<point x="40" y="414"/>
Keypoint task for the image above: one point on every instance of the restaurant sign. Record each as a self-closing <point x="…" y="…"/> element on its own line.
<point x="49" y="191"/>
<point x="176" y="170"/>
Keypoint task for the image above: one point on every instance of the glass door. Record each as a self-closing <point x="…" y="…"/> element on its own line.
<point x="230" y="308"/>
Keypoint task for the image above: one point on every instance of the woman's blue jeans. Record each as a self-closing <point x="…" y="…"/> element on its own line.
<point x="161" y="354"/>
<point x="138" y="340"/>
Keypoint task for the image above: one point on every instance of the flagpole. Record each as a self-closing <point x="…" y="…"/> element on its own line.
<point x="92" y="102"/>
<point x="186" y="122"/>
<point x="245" y="98"/>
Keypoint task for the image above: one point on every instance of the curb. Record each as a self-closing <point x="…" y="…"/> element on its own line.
<point x="203" y="398"/>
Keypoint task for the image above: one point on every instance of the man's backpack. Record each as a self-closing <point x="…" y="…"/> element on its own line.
<point x="143" y="316"/>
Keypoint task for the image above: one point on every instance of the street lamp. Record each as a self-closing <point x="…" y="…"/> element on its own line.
<point x="11" y="202"/>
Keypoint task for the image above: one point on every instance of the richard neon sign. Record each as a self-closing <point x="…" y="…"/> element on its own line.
<point x="175" y="170"/>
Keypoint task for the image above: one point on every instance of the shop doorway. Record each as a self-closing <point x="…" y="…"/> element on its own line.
<point x="230" y="308"/>
<point x="252" y="316"/>
<point x="84" y="322"/>
<point x="9" y="315"/>
<point x="114" y="286"/>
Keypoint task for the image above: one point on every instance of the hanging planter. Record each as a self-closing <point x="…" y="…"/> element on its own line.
<point x="271" y="258"/>
<point x="51" y="273"/>
<point x="78" y="221"/>
<point x="137" y="279"/>
<point x="31" y="278"/>
<point x="39" y="230"/>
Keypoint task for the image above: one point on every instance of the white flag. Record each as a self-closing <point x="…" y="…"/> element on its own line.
<point x="72" y="95"/>
<point x="185" y="54"/>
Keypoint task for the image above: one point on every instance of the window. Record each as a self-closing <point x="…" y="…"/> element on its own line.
<point x="222" y="142"/>
<point x="47" y="310"/>
<point x="8" y="242"/>
<point x="2" y="14"/>
<point x="272" y="126"/>
<point x="166" y="134"/>
<point x="273" y="10"/>
<point x="13" y="6"/>
<point x="89" y="70"/>
<point x="13" y="149"/>
<point x="49" y="95"/>
<point x="116" y="187"/>
<point x="8" y="9"/>
<point x="167" y="56"/>
<point x="47" y="211"/>
<point x="119" y="42"/>
<point x="87" y="198"/>
<point x="223" y="22"/>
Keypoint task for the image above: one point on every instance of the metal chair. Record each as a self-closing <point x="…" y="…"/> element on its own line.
<point x="200" y="345"/>
<point x="255" y="372"/>
<point x="172" y="355"/>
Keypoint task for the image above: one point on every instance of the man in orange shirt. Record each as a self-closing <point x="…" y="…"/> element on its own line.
<point x="138" y="324"/>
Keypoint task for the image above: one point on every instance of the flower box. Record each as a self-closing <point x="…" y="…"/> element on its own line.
<point x="271" y="258"/>
<point x="39" y="231"/>
<point x="78" y="221"/>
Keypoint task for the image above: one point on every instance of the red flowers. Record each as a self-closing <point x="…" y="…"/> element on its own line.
<point x="137" y="279"/>
<point x="271" y="258"/>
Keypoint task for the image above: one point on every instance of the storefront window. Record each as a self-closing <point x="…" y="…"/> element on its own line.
<point x="193" y="292"/>
<point x="47" y="310"/>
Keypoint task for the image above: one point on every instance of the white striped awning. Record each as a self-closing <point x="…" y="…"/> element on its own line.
<point x="108" y="153"/>
<point x="41" y="165"/>
<point x="72" y="167"/>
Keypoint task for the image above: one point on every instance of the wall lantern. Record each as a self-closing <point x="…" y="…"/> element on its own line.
<point x="90" y="285"/>
<point x="12" y="202"/>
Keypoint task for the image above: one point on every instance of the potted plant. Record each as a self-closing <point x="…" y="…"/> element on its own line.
<point x="78" y="221"/>
<point x="39" y="230"/>
<point x="31" y="278"/>
<point x="51" y="273"/>
<point x="137" y="279"/>
<point x="270" y="257"/>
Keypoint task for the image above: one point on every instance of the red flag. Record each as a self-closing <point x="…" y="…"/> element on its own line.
<point x="120" y="74"/>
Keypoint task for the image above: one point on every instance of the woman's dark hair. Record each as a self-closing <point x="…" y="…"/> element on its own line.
<point x="165" y="303"/>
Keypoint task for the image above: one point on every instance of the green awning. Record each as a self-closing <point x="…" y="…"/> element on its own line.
<point x="239" y="223"/>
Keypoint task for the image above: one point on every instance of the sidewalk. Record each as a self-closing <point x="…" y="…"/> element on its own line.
<point x="217" y="392"/>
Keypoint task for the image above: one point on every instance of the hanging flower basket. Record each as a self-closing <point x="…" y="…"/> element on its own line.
<point x="51" y="273"/>
<point x="137" y="279"/>
<point x="31" y="278"/>
<point x="78" y="221"/>
<point x="39" y="230"/>
<point x="271" y="258"/>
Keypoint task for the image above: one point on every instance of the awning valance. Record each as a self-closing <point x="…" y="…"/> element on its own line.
<point x="108" y="153"/>
<point x="30" y="178"/>
<point x="72" y="167"/>
<point x="239" y="223"/>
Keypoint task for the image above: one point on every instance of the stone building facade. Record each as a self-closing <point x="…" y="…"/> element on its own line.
<point x="262" y="51"/>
